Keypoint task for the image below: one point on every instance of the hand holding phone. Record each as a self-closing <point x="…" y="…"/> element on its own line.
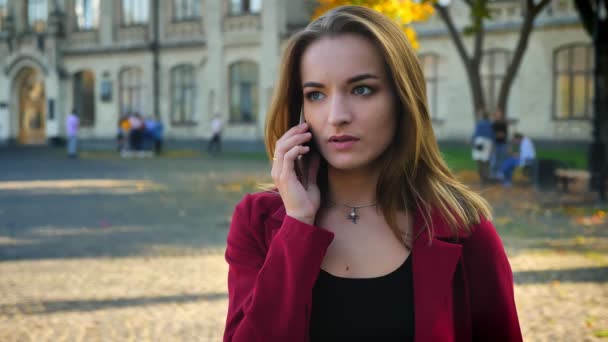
<point x="294" y="171"/>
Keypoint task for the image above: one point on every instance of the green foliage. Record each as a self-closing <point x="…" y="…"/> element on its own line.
<point x="479" y="12"/>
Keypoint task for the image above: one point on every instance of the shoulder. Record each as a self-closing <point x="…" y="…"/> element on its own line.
<point x="261" y="203"/>
<point x="480" y="242"/>
<point x="484" y="244"/>
<point x="476" y="237"/>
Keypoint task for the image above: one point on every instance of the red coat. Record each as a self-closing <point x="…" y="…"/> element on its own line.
<point x="463" y="290"/>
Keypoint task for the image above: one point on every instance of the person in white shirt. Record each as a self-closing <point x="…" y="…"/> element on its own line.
<point x="215" y="144"/>
<point x="72" y="124"/>
<point x="524" y="157"/>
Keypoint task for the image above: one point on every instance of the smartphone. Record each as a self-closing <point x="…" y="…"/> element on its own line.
<point x="311" y="144"/>
<point x="303" y="161"/>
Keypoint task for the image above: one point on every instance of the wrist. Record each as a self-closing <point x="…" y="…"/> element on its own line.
<point x="310" y="220"/>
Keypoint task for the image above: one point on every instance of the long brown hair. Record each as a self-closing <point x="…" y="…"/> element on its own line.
<point x="413" y="175"/>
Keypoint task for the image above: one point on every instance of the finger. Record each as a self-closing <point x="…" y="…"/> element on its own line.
<point x="290" y="142"/>
<point x="292" y="131"/>
<point x="288" y="167"/>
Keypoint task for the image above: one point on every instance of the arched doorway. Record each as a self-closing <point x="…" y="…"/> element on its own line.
<point x="32" y="106"/>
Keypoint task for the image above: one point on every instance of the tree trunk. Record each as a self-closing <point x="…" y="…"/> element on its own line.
<point x="512" y="69"/>
<point x="532" y="12"/>
<point x="601" y="73"/>
<point x="471" y="64"/>
<point x="598" y="158"/>
<point x="476" y="91"/>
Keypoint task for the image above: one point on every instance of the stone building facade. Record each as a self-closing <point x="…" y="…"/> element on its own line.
<point x="185" y="60"/>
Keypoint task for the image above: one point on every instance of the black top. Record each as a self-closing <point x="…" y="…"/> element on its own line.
<point x="362" y="308"/>
<point x="500" y="127"/>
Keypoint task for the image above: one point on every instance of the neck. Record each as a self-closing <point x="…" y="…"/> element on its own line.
<point x="352" y="187"/>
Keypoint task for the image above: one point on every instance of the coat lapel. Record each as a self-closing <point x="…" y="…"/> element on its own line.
<point x="433" y="267"/>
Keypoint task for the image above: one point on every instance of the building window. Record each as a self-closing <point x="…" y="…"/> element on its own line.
<point x="134" y="12"/>
<point x="573" y="82"/>
<point x="243" y="92"/>
<point x="183" y="94"/>
<point x="241" y="7"/>
<point x="493" y="70"/>
<point x="186" y="10"/>
<point x="131" y="90"/>
<point x="84" y="97"/>
<point x="430" y="68"/>
<point x="87" y="14"/>
<point x="37" y="13"/>
<point x="3" y="14"/>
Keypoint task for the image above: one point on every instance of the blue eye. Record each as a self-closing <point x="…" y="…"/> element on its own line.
<point x="362" y="90"/>
<point x="315" y="96"/>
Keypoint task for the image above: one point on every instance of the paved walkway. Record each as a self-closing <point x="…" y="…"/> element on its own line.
<point x="113" y="250"/>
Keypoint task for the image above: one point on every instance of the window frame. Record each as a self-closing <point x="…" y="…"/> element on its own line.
<point x="96" y="18"/>
<point x="3" y="14"/>
<point x="494" y="79"/>
<point x="255" y="87"/>
<point x="183" y="118"/>
<point x="588" y="77"/>
<point x="139" y="87"/>
<point x="134" y="23"/>
<point x="89" y="120"/>
<point x="44" y="6"/>
<point x="188" y="18"/>
<point x="245" y="8"/>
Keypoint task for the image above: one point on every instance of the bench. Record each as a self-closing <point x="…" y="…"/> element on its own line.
<point x="573" y="177"/>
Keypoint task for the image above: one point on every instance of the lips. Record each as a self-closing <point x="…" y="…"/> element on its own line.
<point x="342" y="142"/>
<point x="342" y="138"/>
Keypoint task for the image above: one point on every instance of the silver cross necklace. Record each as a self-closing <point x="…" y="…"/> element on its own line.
<point x="353" y="216"/>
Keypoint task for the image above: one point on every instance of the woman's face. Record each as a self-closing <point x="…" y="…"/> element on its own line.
<point x="348" y="101"/>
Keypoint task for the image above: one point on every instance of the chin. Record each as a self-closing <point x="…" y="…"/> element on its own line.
<point x="347" y="162"/>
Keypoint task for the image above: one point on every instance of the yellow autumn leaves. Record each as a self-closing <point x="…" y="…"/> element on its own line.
<point x="404" y="12"/>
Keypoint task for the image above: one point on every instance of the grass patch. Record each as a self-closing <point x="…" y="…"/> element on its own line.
<point x="578" y="158"/>
<point x="601" y="333"/>
<point x="459" y="158"/>
<point x="242" y="155"/>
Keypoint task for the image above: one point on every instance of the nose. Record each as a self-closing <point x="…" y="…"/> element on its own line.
<point x="339" y="112"/>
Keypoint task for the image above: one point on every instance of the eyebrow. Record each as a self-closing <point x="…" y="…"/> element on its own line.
<point x="349" y="81"/>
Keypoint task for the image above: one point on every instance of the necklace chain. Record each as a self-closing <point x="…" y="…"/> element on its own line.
<point x="352" y="206"/>
<point x="352" y="216"/>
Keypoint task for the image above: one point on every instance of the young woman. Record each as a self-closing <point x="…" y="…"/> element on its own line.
<point x="369" y="235"/>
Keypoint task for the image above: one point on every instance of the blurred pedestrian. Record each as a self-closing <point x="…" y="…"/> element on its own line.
<point x="122" y="136"/>
<point x="499" y="153"/>
<point x="72" y="125"/>
<point x="482" y="144"/>
<point x="215" y="144"/>
<point x="136" y="133"/>
<point x="154" y="131"/>
<point x="524" y="158"/>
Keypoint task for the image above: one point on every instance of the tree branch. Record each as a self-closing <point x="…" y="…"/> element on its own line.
<point x="586" y="13"/>
<point x="447" y="19"/>
<point x="531" y="12"/>
<point x="478" y="47"/>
